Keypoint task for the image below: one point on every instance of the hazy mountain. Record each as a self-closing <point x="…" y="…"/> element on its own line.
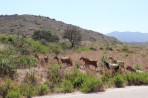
<point x="26" y="24"/>
<point x="130" y="36"/>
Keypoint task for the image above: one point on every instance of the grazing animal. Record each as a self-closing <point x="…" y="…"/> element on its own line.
<point x="120" y="63"/>
<point x="111" y="66"/>
<point x="36" y="56"/>
<point x="129" y="68"/>
<point x="66" y="60"/>
<point x="46" y="59"/>
<point x="89" y="62"/>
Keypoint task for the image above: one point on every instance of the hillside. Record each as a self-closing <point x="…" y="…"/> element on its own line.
<point x="130" y="36"/>
<point x="26" y="24"/>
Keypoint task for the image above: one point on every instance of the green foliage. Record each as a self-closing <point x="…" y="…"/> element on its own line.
<point x="139" y="67"/>
<point x="7" y="65"/>
<point x="13" y="94"/>
<point x="31" y="78"/>
<point x="43" y="89"/>
<point x="37" y="46"/>
<point x="108" y="47"/>
<point x="67" y="86"/>
<point x="26" y="62"/>
<point x="118" y="81"/>
<point x="54" y="73"/>
<point x="46" y="35"/>
<point x="24" y="45"/>
<point x="76" y="78"/>
<point x="93" y="48"/>
<point x="125" y="48"/>
<point x="137" y="79"/>
<point x="73" y="35"/>
<point x="55" y="48"/>
<point x="29" y="91"/>
<point x="7" y="87"/>
<point x="80" y="49"/>
<point x="91" y="84"/>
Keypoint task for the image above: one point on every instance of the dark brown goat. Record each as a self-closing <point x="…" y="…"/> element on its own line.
<point x="66" y="60"/>
<point x="89" y="62"/>
<point x="46" y="59"/>
<point x="129" y="68"/>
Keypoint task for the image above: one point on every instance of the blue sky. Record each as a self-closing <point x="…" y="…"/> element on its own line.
<point x="99" y="15"/>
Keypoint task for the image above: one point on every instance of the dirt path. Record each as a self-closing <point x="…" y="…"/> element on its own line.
<point x="127" y="92"/>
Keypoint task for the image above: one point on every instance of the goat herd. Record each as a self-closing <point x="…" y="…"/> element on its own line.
<point x="111" y="64"/>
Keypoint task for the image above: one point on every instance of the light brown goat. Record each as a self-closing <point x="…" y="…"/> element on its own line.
<point x="66" y="60"/>
<point x="89" y="62"/>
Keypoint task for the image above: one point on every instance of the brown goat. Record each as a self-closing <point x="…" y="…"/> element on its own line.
<point x="129" y="68"/>
<point x="46" y="59"/>
<point x="89" y="62"/>
<point x="66" y="60"/>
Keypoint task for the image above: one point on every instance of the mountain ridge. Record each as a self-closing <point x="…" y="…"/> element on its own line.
<point x="27" y="24"/>
<point x="128" y="36"/>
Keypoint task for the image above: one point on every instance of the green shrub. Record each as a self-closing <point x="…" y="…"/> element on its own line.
<point x="7" y="87"/>
<point x="76" y="78"/>
<point x="125" y="49"/>
<point x="13" y="94"/>
<point x="91" y="85"/>
<point x="46" y="35"/>
<point x="67" y="86"/>
<point x="138" y="67"/>
<point x="93" y="48"/>
<point x="118" y="81"/>
<point x="31" y="78"/>
<point x="55" y="48"/>
<point x="26" y="62"/>
<point x="80" y="49"/>
<point x="7" y="65"/>
<point x="137" y="79"/>
<point x="29" y="91"/>
<point x="54" y="73"/>
<point x="43" y="89"/>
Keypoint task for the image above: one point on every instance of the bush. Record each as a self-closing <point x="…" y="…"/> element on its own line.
<point x="31" y="78"/>
<point x="46" y="35"/>
<point x="7" y="65"/>
<point x="13" y="94"/>
<point x="76" y="78"/>
<point x="43" y="89"/>
<point x="7" y="87"/>
<point x="67" y="86"/>
<point x="138" y="67"/>
<point x="55" y="48"/>
<point x="91" y="85"/>
<point x="137" y="79"/>
<point x="29" y="91"/>
<point x="118" y="81"/>
<point x="26" y="62"/>
<point x="54" y="73"/>
<point x="125" y="48"/>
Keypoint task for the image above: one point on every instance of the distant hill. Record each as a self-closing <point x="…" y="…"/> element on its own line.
<point x="26" y="24"/>
<point x="130" y="36"/>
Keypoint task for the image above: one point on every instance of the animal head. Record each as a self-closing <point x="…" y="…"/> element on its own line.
<point x="55" y="57"/>
<point x="81" y="58"/>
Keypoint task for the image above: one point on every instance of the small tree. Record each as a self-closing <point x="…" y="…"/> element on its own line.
<point x="73" y="35"/>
